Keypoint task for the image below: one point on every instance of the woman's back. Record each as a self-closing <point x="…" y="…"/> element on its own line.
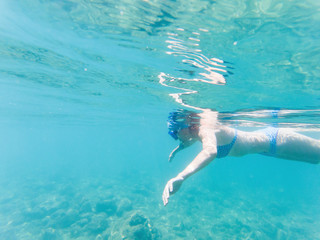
<point x="281" y="143"/>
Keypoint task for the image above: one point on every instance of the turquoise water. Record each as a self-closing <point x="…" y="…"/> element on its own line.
<point x="86" y="88"/>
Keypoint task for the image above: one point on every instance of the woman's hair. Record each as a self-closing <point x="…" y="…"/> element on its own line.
<point x="181" y="119"/>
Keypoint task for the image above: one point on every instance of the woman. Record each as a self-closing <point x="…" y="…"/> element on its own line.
<point x="220" y="141"/>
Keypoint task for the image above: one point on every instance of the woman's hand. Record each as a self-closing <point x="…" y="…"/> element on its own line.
<point x="174" y="151"/>
<point x="173" y="185"/>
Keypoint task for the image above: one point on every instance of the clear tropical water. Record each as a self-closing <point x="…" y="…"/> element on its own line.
<point x="86" y="87"/>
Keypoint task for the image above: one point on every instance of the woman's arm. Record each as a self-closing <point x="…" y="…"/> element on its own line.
<point x="200" y="161"/>
<point x="208" y="153"/>
<point x="175" y="151"/>
<point x="180" y="147"/>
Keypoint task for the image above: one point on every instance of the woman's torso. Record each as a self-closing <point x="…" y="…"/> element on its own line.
<point x="244" y="142"/>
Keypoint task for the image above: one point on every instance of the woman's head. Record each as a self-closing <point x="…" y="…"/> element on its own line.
<point x="182" y="123"/>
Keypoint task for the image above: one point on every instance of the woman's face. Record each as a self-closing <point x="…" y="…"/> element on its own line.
<point x="185" y="135"/>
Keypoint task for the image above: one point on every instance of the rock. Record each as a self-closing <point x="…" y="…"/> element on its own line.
<point x="102" y="237"/>
<point x="98" y="224"/>
<point x="124" y="205"/>
<point x="179" y="227"/>
<point x="82" y="222"/>
<point x="108" y="206"/>
<point x="67" y="219"/>
<point x="75" y="231"/>
<point x="142" y="233"/>
<point x="141" y="229"/>
<point x="137" y="219"/>
<point x="85" y="207"/>
<point x="9" y="234"/>
<point x="50" y="234"/>
<point x="35" y="214"/>
<point x="99" y="237"/>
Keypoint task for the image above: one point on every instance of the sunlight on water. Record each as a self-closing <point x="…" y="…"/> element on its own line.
<point x="192" y="55"/>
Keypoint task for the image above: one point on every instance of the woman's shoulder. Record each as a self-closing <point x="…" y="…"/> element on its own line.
<point x="219" y="131"/>
<point x="225" y="130"/>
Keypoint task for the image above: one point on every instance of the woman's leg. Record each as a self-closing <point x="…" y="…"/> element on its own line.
<point x="295" y="146"/>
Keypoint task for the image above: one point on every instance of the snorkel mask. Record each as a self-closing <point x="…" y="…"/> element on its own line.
<point x="176" y="121"/>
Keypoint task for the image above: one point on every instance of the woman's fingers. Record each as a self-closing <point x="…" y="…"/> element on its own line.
<point x="164" y="200"/>
<point x="165" y="195"/>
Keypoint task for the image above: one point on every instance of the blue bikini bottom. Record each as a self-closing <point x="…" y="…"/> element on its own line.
<point x="272" y="134"/>
<point x="223" y="151"/>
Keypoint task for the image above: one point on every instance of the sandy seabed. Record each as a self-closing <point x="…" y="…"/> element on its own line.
<point x="126" y="208"/>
